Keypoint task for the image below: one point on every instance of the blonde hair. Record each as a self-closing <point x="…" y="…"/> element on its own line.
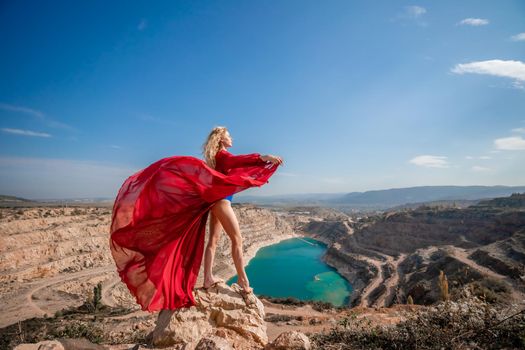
<point x="213" y="144"/>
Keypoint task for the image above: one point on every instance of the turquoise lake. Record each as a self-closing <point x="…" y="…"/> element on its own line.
<point x="293" y="268"/>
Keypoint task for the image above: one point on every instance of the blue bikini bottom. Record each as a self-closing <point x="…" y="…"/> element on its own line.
<point x="230" y="197"/>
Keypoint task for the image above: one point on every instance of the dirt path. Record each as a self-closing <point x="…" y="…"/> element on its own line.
<point x="462" y="255"/>
<point x="392" y="282"/>
<point x="295" y="311"/>
<point x="20" y="304"/>
<point x="314" y="322"/>
<point x="322" y="321"/>
<point x="374" y="283"/>
<point x="349" y="229"/>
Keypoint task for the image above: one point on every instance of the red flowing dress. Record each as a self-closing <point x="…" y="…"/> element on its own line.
<point x="159" y="221"/>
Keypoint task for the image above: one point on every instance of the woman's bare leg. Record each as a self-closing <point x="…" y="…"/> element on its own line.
<point x="224" y="212"/>
<point x="211" y="247"/>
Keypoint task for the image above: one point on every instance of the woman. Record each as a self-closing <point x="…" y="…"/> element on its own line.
<point x="222" y="214"/>
<point x="159" y="222"/>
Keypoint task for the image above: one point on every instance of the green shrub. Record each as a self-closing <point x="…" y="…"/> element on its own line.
<point x="448" y="325"/>
<point x="97" y="296"/>
<point x="91" y="332"/>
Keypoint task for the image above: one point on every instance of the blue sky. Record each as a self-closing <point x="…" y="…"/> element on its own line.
<point x="354" y="95"/>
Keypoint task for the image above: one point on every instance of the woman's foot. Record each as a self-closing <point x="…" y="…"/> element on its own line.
<point x="208" y="283"/>
<point x="247" y="294"/>
<point x="245" y="285"/>
<point x="247" y="290"/>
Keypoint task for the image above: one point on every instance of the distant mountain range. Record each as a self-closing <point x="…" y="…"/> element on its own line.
<point x="369" y="200"/>
<point x="4" y="198"/>
<point x="384" y="199"/>
<point x="9" y="201"/>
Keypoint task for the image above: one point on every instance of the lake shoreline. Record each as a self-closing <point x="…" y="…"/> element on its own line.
<point x="305" y="273"/>
<point x="250" y="253"/>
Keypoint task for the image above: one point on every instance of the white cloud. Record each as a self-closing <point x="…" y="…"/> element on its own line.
<point x="412" y="14"/>
<point x="518" y="37"/>
<point x="500" y="68"/>
<point x="520" y="130"/>
<point x="115" y="146"/>
<point x="512" y="143"/>
<point x="430" y="161"/>
<point x="480" y="168"/>
<point x="518" y="85"/>
<point x="476" y="22"/>
<point x="22" y="109"/>
<point x="415" y="11"/>
<point x="480" y="157"/>
<point x="142" y="24"/>
<point x="25" y="132"/>
<point x="35" y="113"/>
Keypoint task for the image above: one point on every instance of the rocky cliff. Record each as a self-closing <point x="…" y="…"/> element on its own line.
<point x="51" y="258"/>
<point x="390" y="256"/>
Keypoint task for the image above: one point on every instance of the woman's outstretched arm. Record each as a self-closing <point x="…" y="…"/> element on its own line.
<point x="235" y="161"/>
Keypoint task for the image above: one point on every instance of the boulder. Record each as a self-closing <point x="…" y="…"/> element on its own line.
<point x="212" y="342"/>
<point x="291" y="340"/>
<point x="220" y="311"/>
<point x="62" y="344"/>
<point x="43" y="345"/>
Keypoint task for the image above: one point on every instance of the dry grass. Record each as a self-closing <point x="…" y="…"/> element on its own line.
<point x="467" y="323"/>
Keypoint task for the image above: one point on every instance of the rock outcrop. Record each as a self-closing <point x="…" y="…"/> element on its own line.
<point x="291" y="340"/>
<point x="220" y="312"/>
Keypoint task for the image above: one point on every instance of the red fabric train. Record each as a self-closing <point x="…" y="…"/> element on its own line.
<point x="159" y="222"/>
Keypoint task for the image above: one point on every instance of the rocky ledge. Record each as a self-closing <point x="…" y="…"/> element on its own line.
<point x="221" y="311"/>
